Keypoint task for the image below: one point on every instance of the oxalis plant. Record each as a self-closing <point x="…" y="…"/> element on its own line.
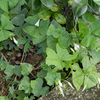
<point x="66" y="31"/>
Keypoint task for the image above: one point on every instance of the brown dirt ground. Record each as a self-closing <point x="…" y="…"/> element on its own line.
<point x="16" y="58"/>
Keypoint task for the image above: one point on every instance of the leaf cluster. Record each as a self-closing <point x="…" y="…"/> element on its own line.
<point x="66" y="33"/>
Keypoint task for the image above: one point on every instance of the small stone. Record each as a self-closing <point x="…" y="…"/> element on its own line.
<point x="21" y="46"/>
<point x="17" y="62"/>
<point x="19" y="55"/>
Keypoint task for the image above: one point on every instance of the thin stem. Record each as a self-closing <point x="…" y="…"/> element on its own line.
<point x="91" y="8"/>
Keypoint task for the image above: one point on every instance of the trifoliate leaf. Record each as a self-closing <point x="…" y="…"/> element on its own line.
<point x="18" y="20"/>
<point x="6" y="24"/>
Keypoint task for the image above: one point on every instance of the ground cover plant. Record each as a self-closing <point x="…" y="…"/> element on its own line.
<point x="43" y="42"/>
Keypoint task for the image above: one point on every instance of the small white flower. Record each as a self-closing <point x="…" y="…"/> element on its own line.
<point x="84" y="88"/>
<point x="60" y="87"/>
<point x="76" y="46"/>
<point x="72" y="49"/>
<point x="61" y="90"/>
<point x="99" y="80"/>
<point x="60" y="84"/>
<point x="15" y="41"/>
<point x="37" y="23"/>
<point x="70" y="85"/>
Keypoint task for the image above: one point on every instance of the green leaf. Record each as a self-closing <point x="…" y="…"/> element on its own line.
<point x="42" y="73"/>
<point x="54" y="8"/>
<point x="51" y="42"/>
<point x="43" y="26"/>
<point x="79" y="7"/>
<point x="32" y="19"/>
<point x="5" y="34"/>
<point x="33" y="83"/>
<point x="64" y="55"/>
<point x="45" y="14"/>
<point x="3" y="65"/>
<point x="95" y="56"/>
<point x="90" y="81"/>
<point x="3" y="98"/>
<point x="53" y="59"/>
<point x="51" y="78"/>
<point x="39" y="90"/>
<point x="88" y="17"/>
<point x="48" y="3"/>
<point x="44" y="90"/>
<point x="18" y="20"/>
<point x="95" y="25"/>
<point x="77" y="76"/>
<point x="4" y="5"/>
<point x="88" y="40"/>
<point x="57" y="59"/>
<point x="87" y="66"/>
<point x="53" y="31"/>
<point x="21" y="41"/>
<point x="26" y="68"/>
<point x="24" y="84"/>
<point x="83" y="29"/>
<point x="27" y="46"/>
<point x="22" y="2"/>
<point x="38" y="40"/>
<point x="13" y="3"/>
<point x="17" y="70"/>
<point x="16" y="10"/>
<point x="97" y="2"/>
<point x="31" y="98"/>
<point x="11" y="89"/>
<point x="98" y="43"/>
<point x="9" y="70"/>
<point x="5" y="23"/>
<point x="60" y="18"/>
<point x="63" y="41"/>
<point x="35" y="31"/>
<point x="96" y="32"/>
<point x="21" y="94"/>
<point x="55" y="23"/>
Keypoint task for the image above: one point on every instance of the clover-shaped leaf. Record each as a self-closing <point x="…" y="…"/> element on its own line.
<point x="5" y="26"/>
